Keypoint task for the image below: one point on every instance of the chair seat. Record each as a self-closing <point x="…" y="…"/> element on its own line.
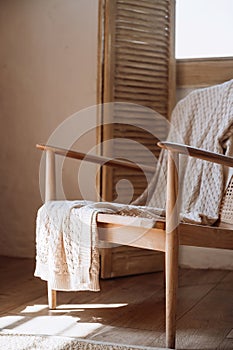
<point x="129" y="220"/>
<point x="143" y="231"/>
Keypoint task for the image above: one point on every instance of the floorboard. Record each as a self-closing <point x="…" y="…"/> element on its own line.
<point x="127" y="310"/>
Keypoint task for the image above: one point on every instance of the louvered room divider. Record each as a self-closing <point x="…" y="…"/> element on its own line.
<point x="137" y="72"/>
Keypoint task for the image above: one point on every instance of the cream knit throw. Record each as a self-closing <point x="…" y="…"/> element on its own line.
<point x="67" y="253"/>
<point x="66" y="231"/>
<point x="203" y="119"/>
<point x="66" y="241"/>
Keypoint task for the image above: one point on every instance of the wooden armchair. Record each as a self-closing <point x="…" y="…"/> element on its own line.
<point x="167" y="235"/>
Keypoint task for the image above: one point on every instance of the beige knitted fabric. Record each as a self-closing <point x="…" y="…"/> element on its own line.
<point x="66" y="244"/>
<point x="203" y="119"/>
<point x="67" y="253"/>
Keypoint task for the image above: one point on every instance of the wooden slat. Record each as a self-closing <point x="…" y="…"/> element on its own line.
<point x="206" y="236"/>
<point x="138" y="97"/>
<point x="150" y="12"/>
<point x="135" y="259"/>
<point x="128" y="220"/>
<point x="129" y="49"/>
<point x="130" y="81"/>
<point x="142" y="37"/>
<point x="148" y="66"/>
<point x="144" y="27"/>
<point x="145" y="3"/>
<point x="158" y="73"/>
<point x="157" y="50"/>
<point x="203" y="72"/>
<point x="93" y="159"/>
<point x="143" y="32"/>
<point x="198" y="153"/>
<point x="140" y="237"/>
<point x="136" y="111"/>
<point x="129" y="57"/>
<point x="190" y="234"/>
<point x="50" y="194"/>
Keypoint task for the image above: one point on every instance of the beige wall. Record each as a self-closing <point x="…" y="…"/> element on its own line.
<point x="48" y="69"/>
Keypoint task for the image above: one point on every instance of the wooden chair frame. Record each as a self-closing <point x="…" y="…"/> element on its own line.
<point x="166" y="236"/>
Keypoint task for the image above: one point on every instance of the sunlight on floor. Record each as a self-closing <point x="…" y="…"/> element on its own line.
<point x="38" y="319"/>
<point x="70" y="307"/>
<point x="7" y="321"/>
<point x="34" y="308"/>
<point x="48" y="325"/>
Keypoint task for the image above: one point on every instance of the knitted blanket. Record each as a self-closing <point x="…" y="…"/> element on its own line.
<point x="66" y="246"/>
<point x="203" y="119"/>
<point x="67" y="254"/>
<point x="66" y="231"/>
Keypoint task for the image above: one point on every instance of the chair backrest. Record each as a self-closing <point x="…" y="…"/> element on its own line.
<point x="226" y="209"/>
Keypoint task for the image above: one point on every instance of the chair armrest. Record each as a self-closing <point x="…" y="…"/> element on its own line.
<point x="96" y="159"/>
<point x="197" y="153"/>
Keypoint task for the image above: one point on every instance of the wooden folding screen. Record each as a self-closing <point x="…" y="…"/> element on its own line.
<point x="136" y="66"/>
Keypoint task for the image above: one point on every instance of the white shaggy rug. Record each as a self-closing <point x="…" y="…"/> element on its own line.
<point x="11" y="341"/>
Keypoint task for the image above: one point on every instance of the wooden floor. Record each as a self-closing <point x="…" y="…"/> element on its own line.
<point x="128" y="310"/>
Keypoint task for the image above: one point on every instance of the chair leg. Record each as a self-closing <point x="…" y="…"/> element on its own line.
<point x="171" y="296"/>
<point x="172" y="249"/>
<point x="50" y="194"/>
<point x="52" y="297"/>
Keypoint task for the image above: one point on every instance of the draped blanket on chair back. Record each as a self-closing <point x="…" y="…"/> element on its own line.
<point x="203" y="119"/>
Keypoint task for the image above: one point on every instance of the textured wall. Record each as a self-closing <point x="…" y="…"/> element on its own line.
<point x="48" y="68"/>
